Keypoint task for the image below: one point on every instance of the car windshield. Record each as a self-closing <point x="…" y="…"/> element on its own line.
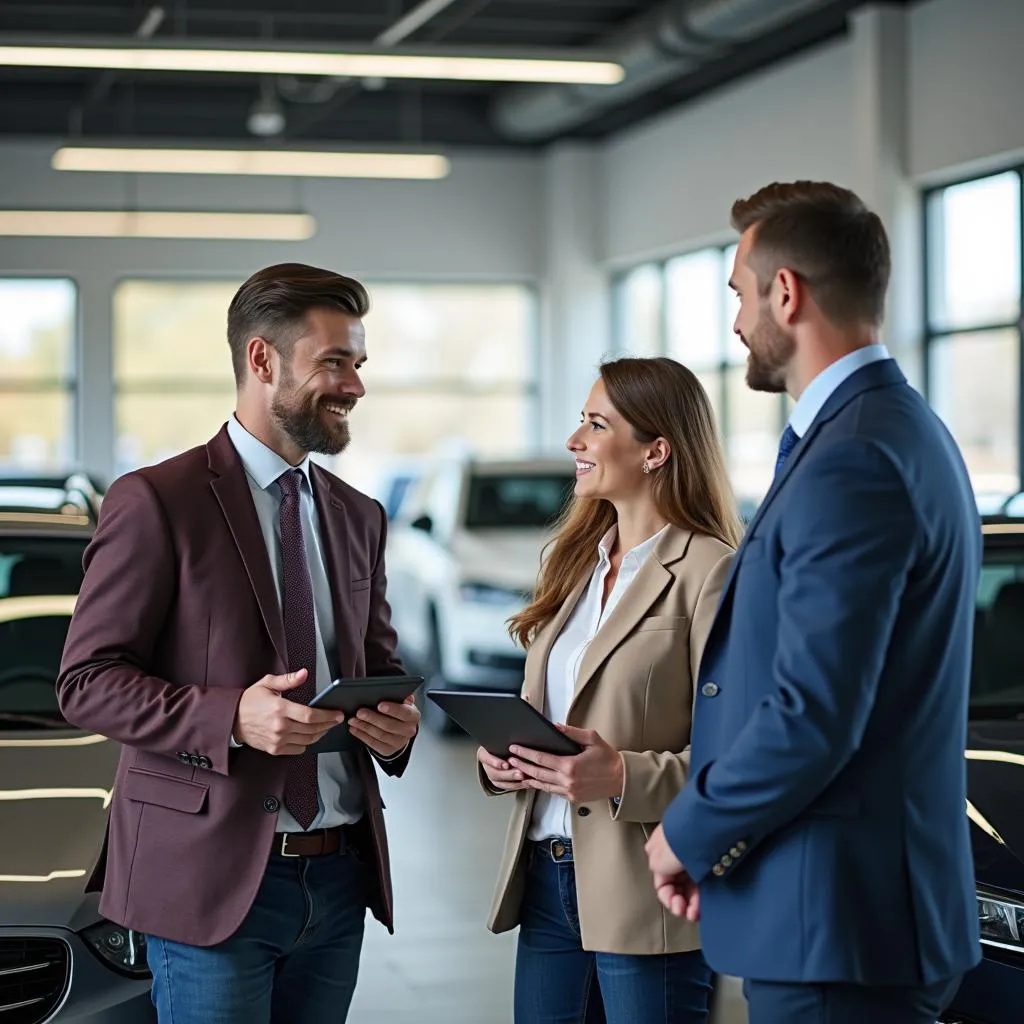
<point x="997" y="675"/>
<point x="531" y="501"/>
<point x="39" y="578"/>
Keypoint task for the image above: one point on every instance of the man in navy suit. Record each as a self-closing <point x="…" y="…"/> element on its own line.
<point x="822" y="837"/>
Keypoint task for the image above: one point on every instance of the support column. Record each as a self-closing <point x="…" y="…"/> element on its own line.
<point x="95" y="406"/>
<point x="880" y="119"/>
<point x="576" y="313"/>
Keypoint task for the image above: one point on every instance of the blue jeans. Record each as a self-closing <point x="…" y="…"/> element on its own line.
<point x="294" y="958"/>
<point x="558" y="982"/>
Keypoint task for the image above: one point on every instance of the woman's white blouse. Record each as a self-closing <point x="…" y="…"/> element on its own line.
<point x="552" y="815"/>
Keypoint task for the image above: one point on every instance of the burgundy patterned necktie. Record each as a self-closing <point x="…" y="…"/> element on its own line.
<point x="300" y="794"/>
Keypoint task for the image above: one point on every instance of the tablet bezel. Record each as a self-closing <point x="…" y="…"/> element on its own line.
<point x="560" y="745"/>
<point x="370" y="691"/>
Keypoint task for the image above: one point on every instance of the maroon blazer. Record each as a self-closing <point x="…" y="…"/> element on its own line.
<point x="177" y="615"/>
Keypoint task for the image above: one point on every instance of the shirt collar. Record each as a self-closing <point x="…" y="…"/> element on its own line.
<point x="636" y="555"/>
<point x="818" y="392"/>
<point x="262" y="464"/>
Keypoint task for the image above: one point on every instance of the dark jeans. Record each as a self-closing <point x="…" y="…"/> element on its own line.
<point x="558" y="982"/>
<point x="294" y="958"/>
<point x="782" y="1003"/>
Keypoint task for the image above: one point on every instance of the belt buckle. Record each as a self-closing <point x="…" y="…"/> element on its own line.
<point x="561" y="851"/>
<point x="284" y="846"/>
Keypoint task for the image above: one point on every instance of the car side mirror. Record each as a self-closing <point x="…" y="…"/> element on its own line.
<point x="424" y="523"/>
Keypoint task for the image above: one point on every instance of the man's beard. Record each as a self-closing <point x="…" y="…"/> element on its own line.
<point x="771" y="350"/>
<point x="300" y="418"/>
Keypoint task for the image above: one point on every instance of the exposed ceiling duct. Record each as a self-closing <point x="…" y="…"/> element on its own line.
<point x="672" y="41"/>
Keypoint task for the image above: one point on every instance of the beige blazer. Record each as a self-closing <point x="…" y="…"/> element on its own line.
<point x="635" y="687"/>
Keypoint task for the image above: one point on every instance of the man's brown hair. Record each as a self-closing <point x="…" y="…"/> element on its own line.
<point x="828" y="237"/>
<point x="274" y="302"/>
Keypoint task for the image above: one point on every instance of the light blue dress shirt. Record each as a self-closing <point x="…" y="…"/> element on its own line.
<point x="340" y="789"/>
<point x="821" y="389"/>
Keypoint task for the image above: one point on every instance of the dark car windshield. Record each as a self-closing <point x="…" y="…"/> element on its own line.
<point x="532" y="501"/>
<point x="39" y="578"/>
<point x="997" y="676"/>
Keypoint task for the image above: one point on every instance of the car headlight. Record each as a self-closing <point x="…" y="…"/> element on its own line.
<point x="120" y="948"/>
<point x="1002" y="922"/>
<point x="487" y="593"/>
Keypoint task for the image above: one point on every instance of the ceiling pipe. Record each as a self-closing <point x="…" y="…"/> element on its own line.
<point x="663" y="45"/>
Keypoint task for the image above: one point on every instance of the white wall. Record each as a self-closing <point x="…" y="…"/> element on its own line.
<point x="911" y="96"/>
<point x="966" y="83"/>
<point x="670" y="184"/>
<point x="482" y="222"/>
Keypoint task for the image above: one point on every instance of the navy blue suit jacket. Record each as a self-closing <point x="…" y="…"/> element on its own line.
<point x="825" y="815"/>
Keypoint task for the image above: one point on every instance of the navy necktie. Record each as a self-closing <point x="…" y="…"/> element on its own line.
<point x="786" y="445"/>
<point x="300" y="794"/>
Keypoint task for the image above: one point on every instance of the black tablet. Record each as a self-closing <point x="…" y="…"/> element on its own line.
<point x="349" y="695"/>
<point x="499" y="720"/>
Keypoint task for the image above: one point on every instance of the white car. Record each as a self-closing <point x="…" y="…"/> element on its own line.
<point x="463" y="555"/>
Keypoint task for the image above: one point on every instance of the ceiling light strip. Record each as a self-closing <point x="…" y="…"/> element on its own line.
<point x="294" y="227"/>
<point x="421" y="166"/>
<point x="450" y="67"/>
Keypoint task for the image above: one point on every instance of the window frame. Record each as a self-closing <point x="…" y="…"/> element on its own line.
<point x="719" y="370"/>
<point x="71" y="385"/>
<point x="530" y="389"/>
<point x="933" y="332"/>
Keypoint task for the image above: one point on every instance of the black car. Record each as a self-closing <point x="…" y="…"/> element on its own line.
<point x="993" y="993"/>
<point x="60" y="960"/>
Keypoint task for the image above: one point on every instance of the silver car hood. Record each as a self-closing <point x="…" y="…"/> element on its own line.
<point x="53" y="812"/>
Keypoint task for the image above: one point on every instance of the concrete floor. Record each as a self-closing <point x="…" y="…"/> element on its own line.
<point x="442" y="966"/>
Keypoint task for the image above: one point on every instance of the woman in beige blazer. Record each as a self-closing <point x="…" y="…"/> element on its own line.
<point x="623" y="605"/>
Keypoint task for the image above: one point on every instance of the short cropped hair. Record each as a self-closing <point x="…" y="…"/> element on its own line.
<point x="827" y="237"/>
<point x="274" y="302"/>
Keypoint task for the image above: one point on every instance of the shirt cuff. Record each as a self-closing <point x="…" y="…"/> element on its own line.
<point x="233" y="743"/>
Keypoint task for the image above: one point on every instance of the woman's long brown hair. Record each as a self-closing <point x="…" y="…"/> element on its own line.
<point x="659" y="398"/>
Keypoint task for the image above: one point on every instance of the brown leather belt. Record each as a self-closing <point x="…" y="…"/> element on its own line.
<point x="317" y="843"/>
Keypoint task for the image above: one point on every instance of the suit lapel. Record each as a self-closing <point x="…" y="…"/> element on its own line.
<point x="231" y="489"/>
<point x="650" y="583"/>
<point x="333" y="518"/>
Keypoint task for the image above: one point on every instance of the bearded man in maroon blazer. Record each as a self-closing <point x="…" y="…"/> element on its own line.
<point x="223" y="588"/>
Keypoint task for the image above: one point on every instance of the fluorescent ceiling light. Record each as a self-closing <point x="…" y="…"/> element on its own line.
<point x="294" y="227"/>
<point x="257" y="161"/>
<point x="370" y="64"/>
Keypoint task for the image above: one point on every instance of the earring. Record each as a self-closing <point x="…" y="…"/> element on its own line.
<point x="647" y="467"/>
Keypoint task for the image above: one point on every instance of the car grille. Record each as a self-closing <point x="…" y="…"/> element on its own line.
<point x="34" y="975"/>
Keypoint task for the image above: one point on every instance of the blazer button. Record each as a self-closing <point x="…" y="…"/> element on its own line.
<point x="183" y="757"/>
<point x="718" y="870"/>
<point x="583" y="812"/>
<point x="204" y="762"/>
<point x="709" y="689"/>
<point x="195" y="760"/>
<point x="271" y="804"/>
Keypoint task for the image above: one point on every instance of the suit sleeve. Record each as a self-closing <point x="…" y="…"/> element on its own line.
<point x="105" y="684"/>
<point x="653" y="779"/>
<point x="381" y="641"/>
<point x="848" y="541"/>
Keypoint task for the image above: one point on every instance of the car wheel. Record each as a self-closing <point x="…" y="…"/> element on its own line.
<point x="433" y="717"/>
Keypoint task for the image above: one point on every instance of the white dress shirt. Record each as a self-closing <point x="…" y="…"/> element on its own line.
<point x="552" y="815"/>
<point x="821" y="389"/>
<point x="341" y="795"/>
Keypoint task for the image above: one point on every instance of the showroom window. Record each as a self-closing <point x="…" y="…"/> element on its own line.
<point x="973" y="337"/>
<point x="447" y="363"/>
<point x="682" y="307"/>
<point x="38" y="331"/>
